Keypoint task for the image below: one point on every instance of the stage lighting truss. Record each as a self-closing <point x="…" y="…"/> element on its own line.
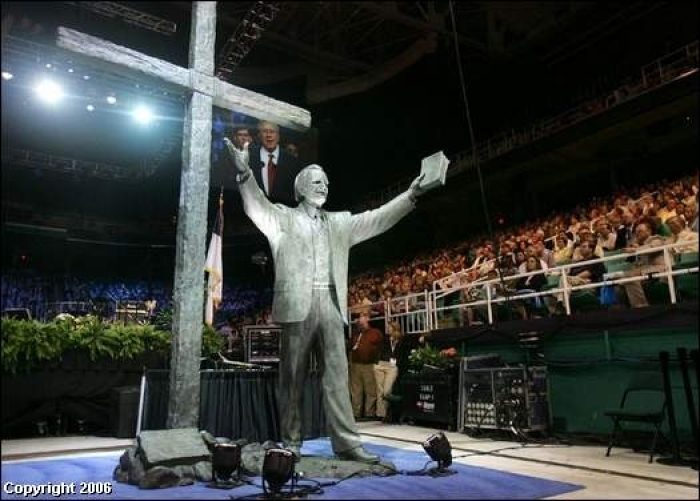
<point x="129" y="15"/>
<point x="244" y="37"/>
<point x="40" y="160"/>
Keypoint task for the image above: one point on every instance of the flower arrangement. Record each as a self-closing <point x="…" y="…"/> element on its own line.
<point x="428" y="357"/>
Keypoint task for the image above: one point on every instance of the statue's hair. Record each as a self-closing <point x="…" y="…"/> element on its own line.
<point x="301" y="179"/>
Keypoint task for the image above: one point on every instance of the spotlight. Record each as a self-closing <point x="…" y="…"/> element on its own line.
<point x="143" y="115"/>
<point x="278" y="469"/>
<point x="49" y="91"/>
<point x="225" y="465"/>
<point x="6" y="75"/>
<point x="90" y="107"/>
<point x="111" y="100"/>
<point x="439" y="449"/>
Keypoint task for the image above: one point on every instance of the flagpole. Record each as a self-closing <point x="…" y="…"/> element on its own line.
<point x="214" y="265"/>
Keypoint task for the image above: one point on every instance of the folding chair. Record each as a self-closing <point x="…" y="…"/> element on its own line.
<point x="643" y="401"/>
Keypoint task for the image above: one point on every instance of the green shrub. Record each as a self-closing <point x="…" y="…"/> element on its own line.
<point x="28" y="345"/>
<point x="212" y="342"/>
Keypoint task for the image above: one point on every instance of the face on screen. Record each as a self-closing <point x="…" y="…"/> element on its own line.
<point x="269" y="135"/>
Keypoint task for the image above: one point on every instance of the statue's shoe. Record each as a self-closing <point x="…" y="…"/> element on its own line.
<point x="358" y="454"/>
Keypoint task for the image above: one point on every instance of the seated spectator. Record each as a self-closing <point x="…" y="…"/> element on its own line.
<point x="563" y="249"/>
<point x="606" y="238"/>
<point x="585" y="272"/>
<point x="693" y="214"/>
<point x="625" y="232"/>
<point x="668" y="210"/>
<point x="585" y="236"/>
<point x="506" y="260"/>
<point x="644" y="264"/>
<point x="681" y="234"/>
<point x="477" y="314"/>
<point x="681" y="211"/>
<point x="531" y="251"/>
<point x="532" y="283"/>
<point x="545" y="255"/>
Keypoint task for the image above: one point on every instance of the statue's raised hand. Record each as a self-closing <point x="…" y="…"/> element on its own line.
<point x="240" y="157"/>
<point x="415" y="189"/>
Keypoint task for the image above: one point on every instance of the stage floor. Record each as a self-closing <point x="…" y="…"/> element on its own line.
<point x="624" y="475"/>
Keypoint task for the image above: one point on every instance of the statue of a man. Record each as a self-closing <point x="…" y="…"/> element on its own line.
<point x="310" y="250"/>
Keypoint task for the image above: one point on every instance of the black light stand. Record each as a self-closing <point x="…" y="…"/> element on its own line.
<point x="278" y="469"/>
<point x="439" y="449"/>
<point x="682" y="359"/>
<point x="225" y="466"/>
<point x="675" y="459"/>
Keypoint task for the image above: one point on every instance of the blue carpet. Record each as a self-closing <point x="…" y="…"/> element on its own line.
<point x="470" y="482"/>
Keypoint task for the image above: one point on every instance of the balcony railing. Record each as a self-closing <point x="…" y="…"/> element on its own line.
<point x="431" y="310"/>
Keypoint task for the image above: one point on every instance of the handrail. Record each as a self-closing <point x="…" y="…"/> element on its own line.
<point x="425" y="317"/>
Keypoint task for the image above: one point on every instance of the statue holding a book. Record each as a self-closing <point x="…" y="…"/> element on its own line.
<point x="310" y="248"/>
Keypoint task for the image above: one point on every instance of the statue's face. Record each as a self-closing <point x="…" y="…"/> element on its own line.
<point x="315" y="188"/>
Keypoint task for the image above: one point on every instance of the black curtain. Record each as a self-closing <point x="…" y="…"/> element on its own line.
<point x="236" y="404"/>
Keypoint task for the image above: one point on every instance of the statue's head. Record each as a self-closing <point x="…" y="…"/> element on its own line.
<point x="311" y="186"/>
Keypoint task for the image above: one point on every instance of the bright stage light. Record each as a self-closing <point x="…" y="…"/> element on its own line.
<point x="143" y="115"/>
<point x="90" y="107"/>
<point x="49" y="92"/>
<point x="6" y="75"/>
<point x="111" y="100"/>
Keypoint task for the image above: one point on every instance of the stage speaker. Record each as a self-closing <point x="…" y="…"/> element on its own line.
<point x="124" y="411"/>
<point x="17" y="313"/>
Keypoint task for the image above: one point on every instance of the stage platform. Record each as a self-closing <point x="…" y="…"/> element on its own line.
<point x="624" y="475"/>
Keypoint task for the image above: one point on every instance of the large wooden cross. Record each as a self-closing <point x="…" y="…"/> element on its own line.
<point x="204" y="90"/>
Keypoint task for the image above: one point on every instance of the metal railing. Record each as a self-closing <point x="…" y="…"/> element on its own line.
<point x="423" y="312"/>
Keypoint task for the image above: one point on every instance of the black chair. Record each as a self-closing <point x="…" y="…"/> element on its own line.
<point x="643" y="401"/>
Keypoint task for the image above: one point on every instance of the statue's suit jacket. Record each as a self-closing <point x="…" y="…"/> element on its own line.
<point x="290" y="242"/>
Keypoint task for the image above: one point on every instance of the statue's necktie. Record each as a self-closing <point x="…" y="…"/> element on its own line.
<point x="271" y="172"/>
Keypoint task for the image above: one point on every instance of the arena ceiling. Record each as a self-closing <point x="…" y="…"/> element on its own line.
<point x="324" y="56"/>
<point x="340" y="48"/>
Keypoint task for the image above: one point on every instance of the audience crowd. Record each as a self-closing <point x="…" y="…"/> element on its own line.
<point x="42" y="294"/>
<point x="668" y="208"/>
<point x="608" y="223"/>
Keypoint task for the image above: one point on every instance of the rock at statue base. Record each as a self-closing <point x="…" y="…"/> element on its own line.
<point x="172" y="447"/>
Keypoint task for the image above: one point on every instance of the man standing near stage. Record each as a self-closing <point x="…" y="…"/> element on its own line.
<point x="366" y="347"/>
<point x="310" y="248"/>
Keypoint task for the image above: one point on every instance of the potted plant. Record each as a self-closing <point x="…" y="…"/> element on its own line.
<point x="428" y="358"/>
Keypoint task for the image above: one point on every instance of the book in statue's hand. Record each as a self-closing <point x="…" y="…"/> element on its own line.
<point x="434" y="170"/>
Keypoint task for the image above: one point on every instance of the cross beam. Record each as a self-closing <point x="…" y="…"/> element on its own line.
<point x="224" y="94"/>
<point x="205" y="91"/>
